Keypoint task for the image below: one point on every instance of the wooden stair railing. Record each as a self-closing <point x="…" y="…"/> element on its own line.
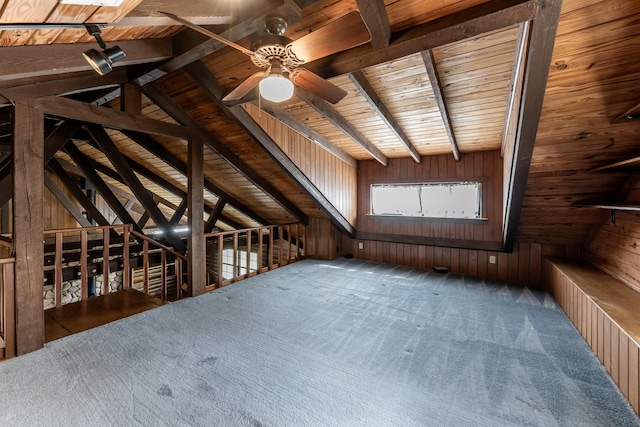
<point x="235" y="255"/>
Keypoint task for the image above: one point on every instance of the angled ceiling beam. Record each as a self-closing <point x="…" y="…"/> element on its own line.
<point x="76" y="110"/>
<point x="542" y="36"/>
<point x="486" y="17"/>
<point x="102" y="187"/>
<point x="65" y="86"/>
<point x="330" y="114"/>
<point x="375" y="17"/>
<point x="164" y="101"/>
<point x="156" y="179"/>
<point x="119" y="161"/>
<point x="294" y="123"/>
<point x="178" y="165"/>
<point x="52" y="144"/>
<point x="33" y="61"/>
<point x="62" y="197"/>
<point x="179" y="213"/>
<point x="436" y="85"/>
<point x="214" y="216"/>
<point x="207" y="82"/>
<point x="71" y="185"/>
<point x="367" y="91"/>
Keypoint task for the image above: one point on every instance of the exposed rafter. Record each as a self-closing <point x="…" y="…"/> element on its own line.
<point x="140" y="192"/>
<point x="161" y="99"/>
<point x="292" y="121"/>
<point x="102" y="188"/>
<point x="214" y="90"/>
<point x="214" y="216"/>
<point x="65" y="200"/>
<point x="436" y="85"/>
<point x="365" y="88"/>
<point x="375" y="16"/>
<point x="541" y="41"/>
<point x="486" y="17"/>
<point x="330" y="114"/>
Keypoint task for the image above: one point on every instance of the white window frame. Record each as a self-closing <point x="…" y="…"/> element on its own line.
<point x="415" y="203"/>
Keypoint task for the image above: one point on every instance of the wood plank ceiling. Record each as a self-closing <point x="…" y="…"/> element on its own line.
<point x="450" y="95"/>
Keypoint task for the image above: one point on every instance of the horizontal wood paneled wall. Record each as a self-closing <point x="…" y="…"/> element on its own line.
<point x="333" y="177"/>
<point x="615" y="248"/>
<point x="605" y="314"/>
<point x="523" y="265"/>
<point x="485" y="166"/>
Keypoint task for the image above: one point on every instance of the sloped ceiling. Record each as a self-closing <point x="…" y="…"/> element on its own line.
<point x="592" y="80"/>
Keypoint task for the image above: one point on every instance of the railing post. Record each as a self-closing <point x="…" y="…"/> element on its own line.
<point x="260" y="234"/>
<point x="236" y="273"/>
<point x="126" y="280"/>
<point x="84" y="291"/>
<point x="57" y="285"/>
<point x="271" y="230"/>
<point x="248" y="251"/>
<point x="105" y="260"/>
<point x="9" y="325"/>
<point x="145" y="265"/>
<point x="220" y="247"/>
<point x="163" y="274"/>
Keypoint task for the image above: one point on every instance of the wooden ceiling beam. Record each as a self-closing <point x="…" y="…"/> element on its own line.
<point x="53" y="142"/>
<point x="76" y="110"/>
<point x="436" y="85"/>
<point x="65" y="86"/>
<point x="207" y="82"/>
<point x="331" y="114"/>
<point x="65" y="200"/>
<point x="486" y="17"/>
<point x="294" y="123"/>
<point x="56" y="167"/>
<point x="101" y="186"/>
<point x="166" y="103"/>
<point x="369" y="93"/>
<point x="179" y="213"/>
<point x="178" y="165"/>
<point x="214" y="216"/>
<point x="32" y="61"/>
<point x="541" y="41"/>
<point x="143" y="195"/>
<point x="376" y="19"/>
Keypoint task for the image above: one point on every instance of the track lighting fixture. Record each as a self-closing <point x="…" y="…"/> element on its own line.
<point x="102" y="62"/>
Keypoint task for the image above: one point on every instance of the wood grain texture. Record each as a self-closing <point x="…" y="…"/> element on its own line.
<point x="608" y="320"/>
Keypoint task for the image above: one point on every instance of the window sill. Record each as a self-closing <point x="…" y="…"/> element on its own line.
<point x="429" y="219"/>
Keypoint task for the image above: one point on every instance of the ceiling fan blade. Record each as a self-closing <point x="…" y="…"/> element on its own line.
<point x="317" y="85"/>
<point x="245" y="87"/>
<point x="208" y="33"/>
<point x="341" y="34"/>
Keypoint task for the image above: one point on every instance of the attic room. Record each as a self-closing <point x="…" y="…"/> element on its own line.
<point x="430" y="219"/>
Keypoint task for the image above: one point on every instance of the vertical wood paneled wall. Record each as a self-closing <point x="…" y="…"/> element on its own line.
<point x="615" y="248"/>
<point x="56" y="216"/>
<point x="333" y="177"/>
<point x="324" y="240"/>
<point x="485" y="166"/>
<point x="523" y="265"/>
<point x="605" y="314"/>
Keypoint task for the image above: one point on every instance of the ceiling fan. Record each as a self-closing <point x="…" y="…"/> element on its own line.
<point x="282" y="57"/>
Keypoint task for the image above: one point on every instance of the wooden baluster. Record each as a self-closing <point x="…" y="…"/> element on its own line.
<point x="271" y="229"/>
<point x="178" y="267"/>
<point x="248" y="251"/>
<point x="105" y="261"/>
<point x="220" y="245"/>
<point x="280" y="246"/>
<point x="8" y="282"/>
<point x="145" y="265"/>
<point x="163" y="275"/>
<point x="304" y="240"/>
<point x="236" y="271"/>
<point x="289" y="243"/>
<point x="84" y="285"/>
<point x="260" y="233"/>
<point x="57" y="285"/>
<point x="126" y="282"/>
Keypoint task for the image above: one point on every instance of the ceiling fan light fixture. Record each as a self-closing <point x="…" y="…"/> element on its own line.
<point x="276" y="88"/>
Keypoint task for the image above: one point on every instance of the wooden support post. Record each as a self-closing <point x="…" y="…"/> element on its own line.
<point x="28" y="225"/>
<point x="105" y="264"/>
<point x="195" y="201"/>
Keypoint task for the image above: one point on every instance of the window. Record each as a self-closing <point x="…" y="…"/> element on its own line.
<point x="227" y="263"/>
<point x="433" y="200"/>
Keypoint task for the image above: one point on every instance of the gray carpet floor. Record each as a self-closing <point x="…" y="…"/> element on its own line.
<point x="342" y="343"/>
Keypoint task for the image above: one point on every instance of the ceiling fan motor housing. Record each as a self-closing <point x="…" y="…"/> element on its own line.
<point x="269" y="47"/>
